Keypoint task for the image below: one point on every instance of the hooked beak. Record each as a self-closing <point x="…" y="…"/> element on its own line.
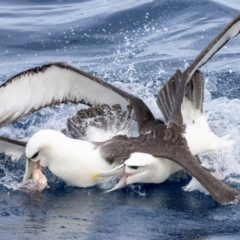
<point x="28" y="169"/>
<point x="30" y="166"/>
<point x="117" y="171"/>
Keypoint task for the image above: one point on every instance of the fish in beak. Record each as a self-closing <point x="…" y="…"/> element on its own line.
<point x="33" y="172"/>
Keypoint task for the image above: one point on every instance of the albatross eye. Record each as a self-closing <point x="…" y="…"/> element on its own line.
<point x="133" y="167"/>
<point x="34" y="155"/>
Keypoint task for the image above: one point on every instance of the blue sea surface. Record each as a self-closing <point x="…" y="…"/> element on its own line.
<point x="136" y="45"/>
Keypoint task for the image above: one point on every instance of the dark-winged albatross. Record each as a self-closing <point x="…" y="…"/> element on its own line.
<point x="155" y="138"/>
<point x="148" y="169"/>
<point x="171" y="100"/>
<point x="145" y="168"/>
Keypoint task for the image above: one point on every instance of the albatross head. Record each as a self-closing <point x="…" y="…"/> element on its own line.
<point x="75" y="161"/>
<point x="141" y="168"/>
<point x="144" y="168"/>
<point x="38" y="150"/>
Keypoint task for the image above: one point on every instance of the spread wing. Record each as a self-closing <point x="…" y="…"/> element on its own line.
<point x="180" y="154"/>
<point x="53" y="84"/>
<point x="11" y="147"/>
<point x="57" y="83"/>
<point x="169" y="96"/>
<point x="231" y="30"/>
<point x="182" y="84"/>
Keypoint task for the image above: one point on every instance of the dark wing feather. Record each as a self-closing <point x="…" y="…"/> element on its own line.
<point x="179" y="153"/>
<point x="190" y="78"/>
<point x="168" y="95"/>
<point x="12" y="147"/>
<point x="13" y="141"/>
<point x="231" y="30"/>
<point x="122" y="147"/>
<point x="102" y="117"/>
<point x="195" y="90"/>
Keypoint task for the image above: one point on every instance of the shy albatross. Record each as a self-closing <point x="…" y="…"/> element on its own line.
<point x="37" y="87"/>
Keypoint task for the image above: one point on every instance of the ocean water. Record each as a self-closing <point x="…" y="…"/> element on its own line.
<point x="136" y="45"/>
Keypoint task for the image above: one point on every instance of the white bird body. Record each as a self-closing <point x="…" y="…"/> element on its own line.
<point x="200" y="138"/>
<point x="74" y="161"/>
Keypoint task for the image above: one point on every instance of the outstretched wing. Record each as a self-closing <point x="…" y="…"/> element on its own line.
<point x="180" y="153"/>
<point x="182" y="84"/>
<point x="57" y="83"/>
<point x="12" y="147"/>
<point x="53" y="84"/>
<point x="230" y="31"/>
<point x="169" y="95"/>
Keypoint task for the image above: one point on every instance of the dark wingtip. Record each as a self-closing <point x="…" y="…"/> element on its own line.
<point x="167" y="95"/>
<point x="13" y="141"/>
<point x="195" y="90"/>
